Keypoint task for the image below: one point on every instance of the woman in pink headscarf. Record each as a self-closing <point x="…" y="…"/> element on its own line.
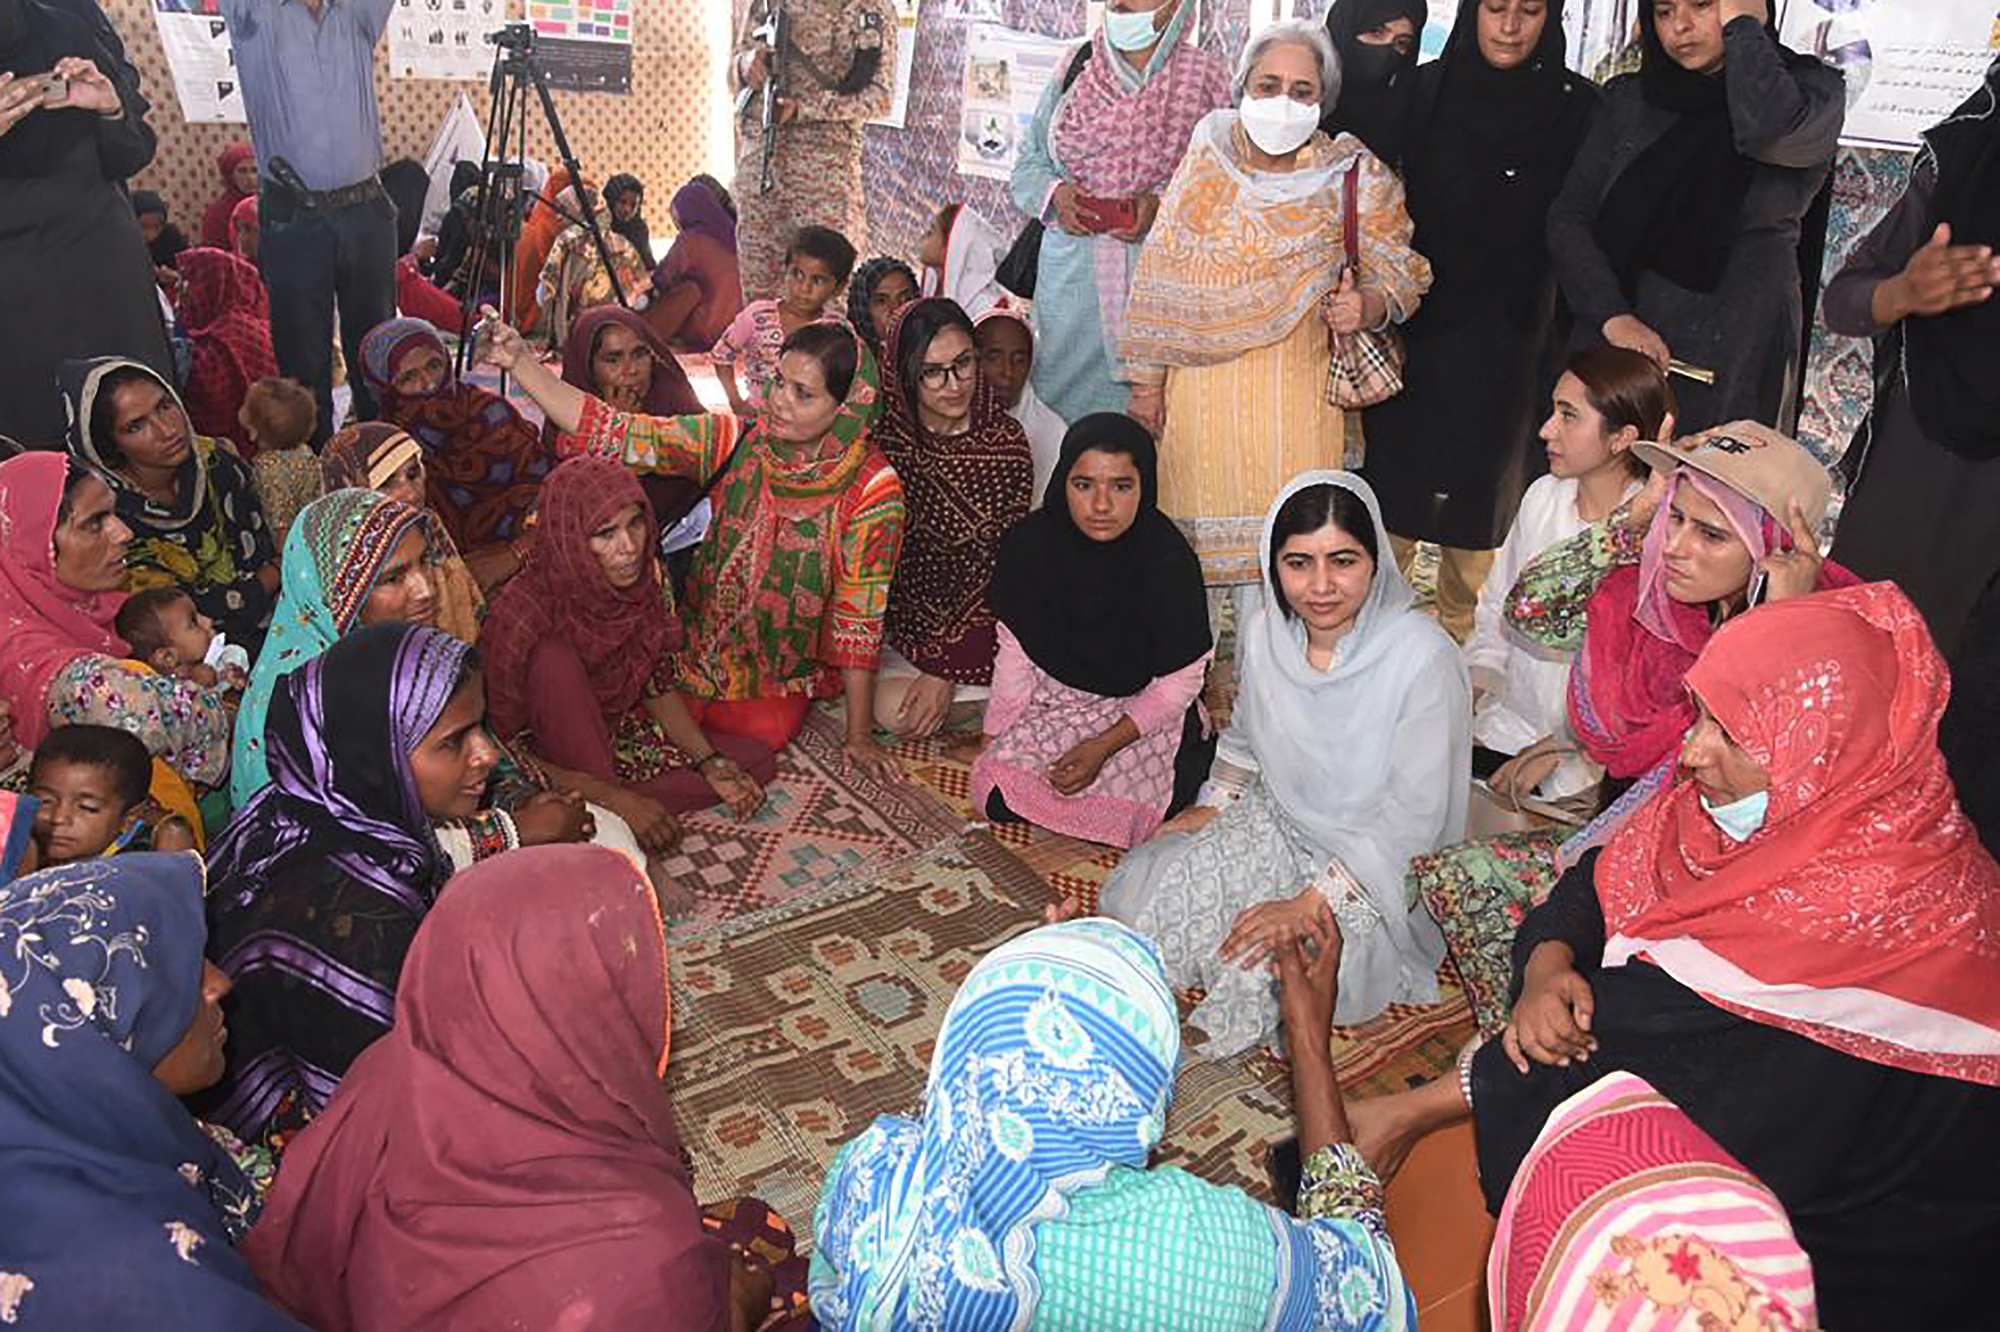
<point x="506" y="1156"/>
<point x="238" y="167"/>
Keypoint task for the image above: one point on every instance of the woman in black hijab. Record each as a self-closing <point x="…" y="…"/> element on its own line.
<point x="1494" y="126"/>
<point x="1376" y="41"/>
<point x="625" y="196"/>
<point x="1093" y="728"/>
<point x="77" y="275"/>
<point x="1677" y="234"/>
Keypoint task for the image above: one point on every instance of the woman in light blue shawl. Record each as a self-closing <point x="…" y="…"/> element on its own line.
<point x="1021" y="1197"/>
<point x="352" y="557"/>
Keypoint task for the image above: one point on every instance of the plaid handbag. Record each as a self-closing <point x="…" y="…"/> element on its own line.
<point x="1365" y="367"/>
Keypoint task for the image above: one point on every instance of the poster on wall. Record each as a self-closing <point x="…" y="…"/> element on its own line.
<point x="1597" y="34"/>
<point x="443" y="39"/>
<point x="196" y="42"/>
<point x="1908" y="62"/>
<point x="584" y="45"/>
<point x="1006" y="73"/>
<point x="906" y="59"/>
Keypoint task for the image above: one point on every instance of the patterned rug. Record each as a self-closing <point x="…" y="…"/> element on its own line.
<point x="808" y="994"/>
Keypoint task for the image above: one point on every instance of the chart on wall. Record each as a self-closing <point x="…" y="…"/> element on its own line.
<point x="1908" y="62"/>
<point x="196" y="42"/>
<point x="443" y="39"/>
<point x="1006" y="72"/>
<point x="584" y="45"/>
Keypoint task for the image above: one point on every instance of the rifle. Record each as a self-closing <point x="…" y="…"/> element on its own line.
<point x="775" y="34"/>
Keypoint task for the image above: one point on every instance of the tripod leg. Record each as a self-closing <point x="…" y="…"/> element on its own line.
<point x="576" y="178"/>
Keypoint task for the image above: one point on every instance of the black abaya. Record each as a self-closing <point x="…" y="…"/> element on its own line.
<point x="1889" y="1176"/>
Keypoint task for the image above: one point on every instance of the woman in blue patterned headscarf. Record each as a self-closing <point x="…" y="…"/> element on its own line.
<point x="320" y="882"/>
<point x="1021" y="1197"/>
<point x="122" y="1211"/>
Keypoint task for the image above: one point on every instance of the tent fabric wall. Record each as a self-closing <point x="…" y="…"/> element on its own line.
<point x="659" y="132"/>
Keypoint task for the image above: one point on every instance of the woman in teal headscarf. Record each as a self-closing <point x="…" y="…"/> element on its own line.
<point x="1021" y="1198"/>
<point x="353" y="557"/>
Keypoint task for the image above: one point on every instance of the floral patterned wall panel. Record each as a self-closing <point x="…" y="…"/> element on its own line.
<point x="658" y="133"/>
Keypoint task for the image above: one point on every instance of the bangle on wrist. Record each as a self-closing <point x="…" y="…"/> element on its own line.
<point x="707" y="758"/>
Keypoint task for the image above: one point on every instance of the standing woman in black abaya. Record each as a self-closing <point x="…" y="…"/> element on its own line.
<point x="1376" y="41"/>
<point x="76" y="274"/>
<point x="1493" y="128"/>
<point x="1677" y="235"/>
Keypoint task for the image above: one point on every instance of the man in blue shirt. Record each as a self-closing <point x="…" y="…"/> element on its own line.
<point x="327" y="228"/>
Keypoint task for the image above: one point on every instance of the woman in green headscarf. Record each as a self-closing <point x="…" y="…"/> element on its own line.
<point x="353" y="557"/>
<point x="787" y="593"/>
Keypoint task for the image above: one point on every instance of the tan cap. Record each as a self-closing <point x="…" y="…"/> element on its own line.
<point x="1753" y="460"/>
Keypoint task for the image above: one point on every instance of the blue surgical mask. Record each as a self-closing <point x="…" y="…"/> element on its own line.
<point x="1129" y="32"/>
<point x="1740" y="818"/>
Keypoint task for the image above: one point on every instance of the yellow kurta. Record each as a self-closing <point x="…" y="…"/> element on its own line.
<point x="1235" y="433"/>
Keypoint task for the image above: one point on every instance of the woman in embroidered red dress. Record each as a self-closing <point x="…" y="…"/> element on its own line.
<point x="1798" y="943"/>
<point x="788" y="591"/>
<point x="968" y="477"/>
<point x="227" y="315"/>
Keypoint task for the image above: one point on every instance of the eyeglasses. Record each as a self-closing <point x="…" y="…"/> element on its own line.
<point x="960" y="370"/>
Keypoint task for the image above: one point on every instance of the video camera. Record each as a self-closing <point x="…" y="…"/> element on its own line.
<point x="516" y="37"/>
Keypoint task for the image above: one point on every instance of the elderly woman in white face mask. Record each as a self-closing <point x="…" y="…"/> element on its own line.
<point x="1240" y="285"/>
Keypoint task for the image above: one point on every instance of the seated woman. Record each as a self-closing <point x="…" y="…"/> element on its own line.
<point x="575" y="277"/>
<point x="1793" y="943"/>
<point x="319" y="883"/>
<point x="114" y="1015"/>
<point x="1345" y="756"/>
<point x="1007" y="361"/>
<point x="506" y="1155"/>
<point x="1606" y="401"/>
<point x="1093" y="729"/>
<point x="787" y="593"/>
<point x="580" y="653"/>
<point x="483" y="462"/>
<point x="1727" y="520"/>
<point x="967" y="478"/>
<point x="961" y="254"/>
<point x="354" y="557"/>
<point x="876" y="294"/>
<point x="384" y="458"/>
<point x="1625" y="1210"/>
<point x="1026" y="1201"/>
<point x="190" y="506"/>
<point x="226" y="314"/>
<point x="61" y="660"/>
<point x="696" y="289"/>
<point x="1226" y="331"/>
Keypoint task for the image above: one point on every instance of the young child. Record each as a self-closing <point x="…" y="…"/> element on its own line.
<point x="279" y="416"/>
<point x="817" y="264"/>
<point x="164" y="630"/>
<point x="91" y="783"/>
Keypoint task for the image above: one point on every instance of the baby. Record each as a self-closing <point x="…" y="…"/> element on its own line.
<point x="164" y="630"/>
<point x="91" y="784"/>
<point x="279" y="419"/>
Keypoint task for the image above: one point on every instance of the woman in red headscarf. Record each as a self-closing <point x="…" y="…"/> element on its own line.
<point x="1798" y="943"/>
<point x="506" y="1155"/>
<point x="227" y="316"/>
<point x="578" y="649"/>
<point x="238" y="167"/>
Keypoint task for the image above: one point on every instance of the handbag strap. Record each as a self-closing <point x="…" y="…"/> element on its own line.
<point x="1350" y="217"/>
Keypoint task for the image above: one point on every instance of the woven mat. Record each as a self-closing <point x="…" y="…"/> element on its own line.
<point x="804" y="1007"/>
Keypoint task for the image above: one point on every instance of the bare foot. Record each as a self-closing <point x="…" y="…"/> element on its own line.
<point x="1068" y="909"/>
<point x="1385" y="1131"/>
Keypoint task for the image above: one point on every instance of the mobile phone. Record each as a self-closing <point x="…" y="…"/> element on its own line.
<point x="1110" y="214"/>
<point x="55" y="88"/>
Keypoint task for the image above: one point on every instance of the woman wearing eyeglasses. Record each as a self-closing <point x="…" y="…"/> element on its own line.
<point x="968" y="476"/>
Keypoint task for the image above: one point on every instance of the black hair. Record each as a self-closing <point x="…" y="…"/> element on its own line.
<point x="826" y="245"/>
<point x="74" y="475"/>
<point x="622" y="184"/>
<point x="1308" y="511"/>
<point x="138" y="621"/>
<point x="106" y="748"/>
<point x="922" y="322"/>
<point x="103" y="409"/>
<point x="145" y="202"/>
<point x="832" y="345"/>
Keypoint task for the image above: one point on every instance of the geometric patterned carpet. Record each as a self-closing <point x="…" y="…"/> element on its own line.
<point x="829" y="936"/>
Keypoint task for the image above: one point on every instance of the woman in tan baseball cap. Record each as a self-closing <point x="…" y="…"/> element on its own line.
<point x="1730" y="519"/>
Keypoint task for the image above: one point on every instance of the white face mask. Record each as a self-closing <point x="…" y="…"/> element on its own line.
<point x="1740" y="818"/>
<point x="1129" y="31"/>
<point x="1278" y="125"/>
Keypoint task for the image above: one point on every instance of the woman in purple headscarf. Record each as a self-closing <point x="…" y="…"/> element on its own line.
<point x="696" y="288"/>
<point x="318" y="885"/>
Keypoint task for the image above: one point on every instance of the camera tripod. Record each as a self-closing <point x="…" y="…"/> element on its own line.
<point x="500" y="204"/>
